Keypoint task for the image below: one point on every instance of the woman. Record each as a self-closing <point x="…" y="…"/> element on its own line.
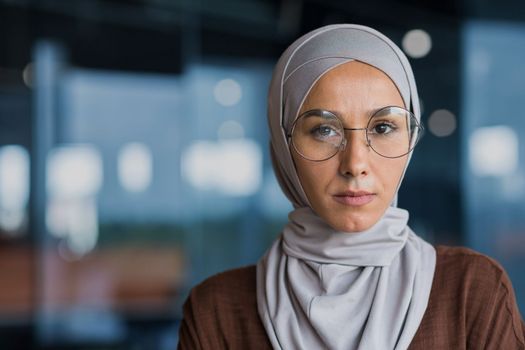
<point x="347" y="272"/>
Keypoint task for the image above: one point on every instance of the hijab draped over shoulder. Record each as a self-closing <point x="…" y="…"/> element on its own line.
<point x="318" y="288"/>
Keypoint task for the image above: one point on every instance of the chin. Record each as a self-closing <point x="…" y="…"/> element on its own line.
<point x="356" y="228"/>
<point x="352" y="225"/>
<point x="346" y="219"/>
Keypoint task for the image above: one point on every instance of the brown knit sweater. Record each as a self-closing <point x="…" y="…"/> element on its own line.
<point x="471" y="306"/>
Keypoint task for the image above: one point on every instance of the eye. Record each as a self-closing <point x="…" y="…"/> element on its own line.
<point x="323" y="132"/>
<point x="383" y="128"/>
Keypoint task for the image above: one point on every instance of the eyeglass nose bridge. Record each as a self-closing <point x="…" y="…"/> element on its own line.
<point x="342" y="147"/>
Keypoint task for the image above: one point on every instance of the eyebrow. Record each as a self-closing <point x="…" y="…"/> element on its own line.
<point x="340" y="115"/>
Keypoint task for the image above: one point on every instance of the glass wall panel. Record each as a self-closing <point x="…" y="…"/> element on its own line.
<point x="152" y="183"/>
<point x="494" y="144"/>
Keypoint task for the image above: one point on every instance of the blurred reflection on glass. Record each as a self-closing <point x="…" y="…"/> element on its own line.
<point x="231" y="167"/>
<point x="14" y="188"/>
<point x="74" y="177"/>
<point x="135" y="167"/>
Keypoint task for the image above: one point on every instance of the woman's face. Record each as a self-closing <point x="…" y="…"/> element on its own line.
<point x="352" y="190"/>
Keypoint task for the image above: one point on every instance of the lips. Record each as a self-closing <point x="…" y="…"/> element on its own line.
<point x="354" y="198"/>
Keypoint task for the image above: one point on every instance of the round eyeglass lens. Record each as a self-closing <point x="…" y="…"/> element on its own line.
<point x="393" y="132"/>
<point x="317" y="135"/>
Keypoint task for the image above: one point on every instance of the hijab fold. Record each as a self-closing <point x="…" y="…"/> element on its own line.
<point x="318" y="288"/>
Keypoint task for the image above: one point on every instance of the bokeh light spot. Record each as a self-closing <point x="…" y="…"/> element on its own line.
<point x="417" y="43"/>
<point x="227" y="92"/>
<point x="442" y="123"/>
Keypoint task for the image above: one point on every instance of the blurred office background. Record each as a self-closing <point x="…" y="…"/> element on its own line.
<point x="134" y="152"/>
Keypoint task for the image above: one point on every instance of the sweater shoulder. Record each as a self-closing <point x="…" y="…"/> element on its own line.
<point x="459" y="252"/>
<point x="477" y="290"/>
<point x="462" y="260"/>
<point x="471" y="278"/>
<point x="231" y="284"/>
<point x="221" y="313"/>
<point x="471" y="302"/>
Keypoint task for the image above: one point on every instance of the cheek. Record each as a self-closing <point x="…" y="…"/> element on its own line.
<point x="315" y="176"/>
<point x="390" y="171"/>
<point x="310" y="177"/>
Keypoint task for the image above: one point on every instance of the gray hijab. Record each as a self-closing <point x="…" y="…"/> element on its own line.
<point x="318" y="288"/>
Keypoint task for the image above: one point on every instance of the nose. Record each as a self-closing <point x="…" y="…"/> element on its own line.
<point x="354" y="156"/>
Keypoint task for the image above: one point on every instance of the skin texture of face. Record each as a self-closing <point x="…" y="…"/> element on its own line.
<point x="353" y="91"/>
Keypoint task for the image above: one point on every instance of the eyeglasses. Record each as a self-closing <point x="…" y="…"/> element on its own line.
<point x="391" y="132"/>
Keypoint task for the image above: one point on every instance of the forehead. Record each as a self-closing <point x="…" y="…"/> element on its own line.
<point x="353" y="86"/>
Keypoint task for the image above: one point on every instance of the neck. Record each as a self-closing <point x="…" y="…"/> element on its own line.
<point x="308" y="237"/>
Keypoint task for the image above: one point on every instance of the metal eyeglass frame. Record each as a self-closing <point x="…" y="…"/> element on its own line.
<point x="342" y="146"/>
